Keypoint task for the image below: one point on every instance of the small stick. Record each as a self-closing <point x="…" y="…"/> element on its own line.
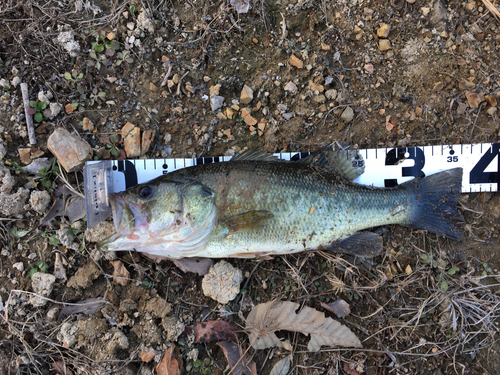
<point x="169" y="70"/>
<point x="29" y="118"/>
<point x="180" y="82"/>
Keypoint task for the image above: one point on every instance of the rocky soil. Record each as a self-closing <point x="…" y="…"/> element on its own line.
<point x="157" y="79"/>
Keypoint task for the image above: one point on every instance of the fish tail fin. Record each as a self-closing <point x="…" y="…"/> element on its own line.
<point x="435" y="205"/>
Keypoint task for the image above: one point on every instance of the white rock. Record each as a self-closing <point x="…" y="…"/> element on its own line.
<point x="37" y="165"/>
<point x="39" y="201"/>
<point x="16" y="81"/>
<point x="55" y="109"/>
<point x="347" y="115"/>
<point x="42" y="284"/>
<point x="290" y="86"/>
<point x="4" y="82"/>
<point x="216" y="102"/>
<point x="67" y="40"/>
<point x="331" y="94"/>
<point x="19" y="266"/>
<point x="222" y="282"/>
<point x="67" y="333"/>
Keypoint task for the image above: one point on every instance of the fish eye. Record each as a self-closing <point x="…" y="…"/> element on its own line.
<point x="145" y="192"/>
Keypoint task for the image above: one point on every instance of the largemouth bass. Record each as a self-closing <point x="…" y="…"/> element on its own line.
<point x="254" y="206"/>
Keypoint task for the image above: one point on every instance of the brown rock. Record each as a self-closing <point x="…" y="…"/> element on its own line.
<point x="246" y="95"/>
<point x="148" y="137"/>
<point x="473" y="99"/>
<point x="325" y="47"/>
<point x="418" y="111"/>
<point x="36" y="153"/>
<point x="87" y="124"/>
<point x="290" y="86"/>
<point x="25" y="155"/>
<point x="131" y="140"/>
<point x="384" y="45"/>
<point x="158" y="307"/>
<point x="214" y="90"/>
<point x="70" y="151"/>
<point x="120" y="273"/>
<point x="383" y="30"/>
<point x="491" y="111"/>
<point x="316" y="87"/>
<point x="249" y="120"/>
<point x="296" y="62"/>
<point x="189" y="88"/>
<point x="147" y="355"/>
<point x="170" y="83"/>
<point x="175" y="78"/>
<point x="255" y="41"/>
<point x="152" y="87"/>
<point x="438" y="86"/>
<point x="229" y="113"/>
<point x="69" y="108"/>
<point x="84" y="276"/>
<point x="262" y="125"/>
<point x="492" y="100"/>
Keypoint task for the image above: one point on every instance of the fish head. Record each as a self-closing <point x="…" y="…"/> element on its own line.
<point x="159" y="212"/>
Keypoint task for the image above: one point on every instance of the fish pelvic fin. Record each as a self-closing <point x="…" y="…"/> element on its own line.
<point x="435" y="204"/>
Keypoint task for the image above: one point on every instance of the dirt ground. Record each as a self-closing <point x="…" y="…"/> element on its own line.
<point x="370" y="73"/>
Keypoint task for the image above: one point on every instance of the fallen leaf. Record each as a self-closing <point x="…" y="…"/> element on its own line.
<point x="350" y="369"/>
<point x="69" y="204"/>
<point x="339" y="307"/>
<point x="282" y="367"/>
<point x="148" y="355"/>
<point x="59" y="270"/>
<point x="267" y="318"/>
<point x="87" y="307"/>
<point x="212" y="330"/>
<point x="239" y="365"/>
<point x="60" y="367"/>
<point x="120" y="273"/>
<point x="171" y="363"/>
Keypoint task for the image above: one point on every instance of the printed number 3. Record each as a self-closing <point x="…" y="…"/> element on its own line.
<point x="452" y="159"/>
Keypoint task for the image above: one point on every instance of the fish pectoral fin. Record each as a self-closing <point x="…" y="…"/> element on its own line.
<point x="363" y="244"/>
<point x="247" y="221"/>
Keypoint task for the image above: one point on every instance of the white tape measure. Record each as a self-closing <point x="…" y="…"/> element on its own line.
<point x="383" y="168"/>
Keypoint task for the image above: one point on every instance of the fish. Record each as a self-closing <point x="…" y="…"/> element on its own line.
<point x="256" y="206"/>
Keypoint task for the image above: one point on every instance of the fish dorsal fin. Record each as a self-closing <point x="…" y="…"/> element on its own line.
<point x="247" y="221"/>
<point x="254" y="155"/>
<point x="338" y="159"/>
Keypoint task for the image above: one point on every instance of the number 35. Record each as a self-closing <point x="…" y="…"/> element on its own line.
<point x="452" y="159"/>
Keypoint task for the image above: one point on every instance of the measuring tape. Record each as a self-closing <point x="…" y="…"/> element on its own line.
<point x="384" y="167"/>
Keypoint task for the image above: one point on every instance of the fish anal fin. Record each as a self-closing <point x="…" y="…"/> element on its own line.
<point x="339" y="159"/>
<point x="247" y="221"/>
<point x="362" y="244"/>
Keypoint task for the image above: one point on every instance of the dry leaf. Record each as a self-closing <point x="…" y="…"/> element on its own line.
<point x="60" y="367"/>
<point x="212" y="330"/>
<point x="59" y="270"/>
<point x="239" y="365"/>
<point x="339" y="307"/>
<point x="68" y="204"/>
<point x="171" y="363"/>
<point x="120" y="273"/>
<point x="282" y="367"/>
<point x="267" y="318"/>
<point x="87" y="307"/>
<point x="147" y="355"/>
